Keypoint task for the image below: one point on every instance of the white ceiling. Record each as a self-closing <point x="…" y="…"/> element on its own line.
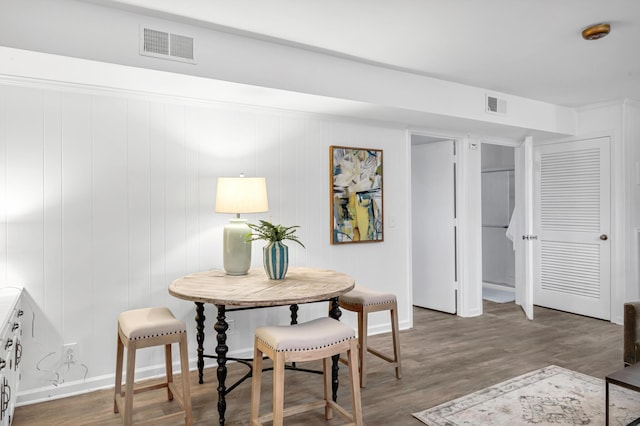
<point x="529" y="48"/>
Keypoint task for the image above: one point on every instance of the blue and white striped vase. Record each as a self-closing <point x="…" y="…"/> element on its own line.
<point x="275" y="256"/>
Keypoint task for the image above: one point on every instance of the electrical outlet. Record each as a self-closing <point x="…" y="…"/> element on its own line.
<point x="232" y="327"/>
<point x="70" y="353"/>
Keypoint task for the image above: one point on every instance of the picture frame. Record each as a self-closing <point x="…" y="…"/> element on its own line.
<point x="357" y="207"/>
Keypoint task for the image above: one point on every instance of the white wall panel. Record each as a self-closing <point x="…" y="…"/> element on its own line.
<point x="291" y="135"/>
<point x="157" y="202"/>
<point x="174" y="202"/>
<point x="24" y="183"/>
<point x="217" y="154"/>
<point x="314" y="191"/>
<point x="138" y="204"/>
<point x="110" y="225"/>
<point x="77" y="224"/>
<point x="118" y="194"/>
<point x="192" y="126"/>
<point x="299" y="196"/>
<point x="209" y="243"/>
<point x="53" y="304"/>
<point x="265" y="161"/>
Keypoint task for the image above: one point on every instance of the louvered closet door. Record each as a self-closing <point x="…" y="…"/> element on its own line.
<point x="572" y="222"/>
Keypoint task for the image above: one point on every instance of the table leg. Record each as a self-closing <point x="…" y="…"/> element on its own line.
<point x="200" y="338"/>
<point x="221" y="327"/>
<point x="294" y="319"/>
<point x="606" y="401"/>
<point x="335" y="313"/>
<point x="294" y="314"/>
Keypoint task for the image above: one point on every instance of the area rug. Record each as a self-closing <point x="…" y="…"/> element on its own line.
<point x="549" y="396"/>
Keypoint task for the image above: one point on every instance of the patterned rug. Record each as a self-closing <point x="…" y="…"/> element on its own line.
<point x="549" y="396"/>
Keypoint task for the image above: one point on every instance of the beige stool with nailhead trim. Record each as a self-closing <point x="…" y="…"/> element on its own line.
<point x="313" y="340"/>
<point x="365" y="301"/>
<point x="143" y="328"/>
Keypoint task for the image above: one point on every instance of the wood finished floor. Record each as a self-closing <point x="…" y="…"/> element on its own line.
<point x="443" y="357"/>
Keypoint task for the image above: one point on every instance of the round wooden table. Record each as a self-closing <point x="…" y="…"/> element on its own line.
<point x="255" y="290"/>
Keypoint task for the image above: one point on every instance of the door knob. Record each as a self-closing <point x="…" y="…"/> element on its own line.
<point x="604" y="237"/>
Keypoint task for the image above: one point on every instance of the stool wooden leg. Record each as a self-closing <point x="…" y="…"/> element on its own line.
<point x="278" y="389"/>
<point x="128" y="395"/>
<point x="327" y="367"/>
<point x="256" y="383"/>
<point x="395" y="331"/>
<point x="118" y="388"/>
<point x="363" y="329"/>
<point x="356" y="404"/>
<point x="168" y="369"/>
<point x="186" y="388"/>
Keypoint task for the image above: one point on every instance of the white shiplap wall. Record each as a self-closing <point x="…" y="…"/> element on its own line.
<point x="106" y="197"/>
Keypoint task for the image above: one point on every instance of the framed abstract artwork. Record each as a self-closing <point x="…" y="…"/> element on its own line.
<point x="356" y="195"/>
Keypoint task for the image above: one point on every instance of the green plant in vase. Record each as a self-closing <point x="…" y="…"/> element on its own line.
<point x="275" y="253"/>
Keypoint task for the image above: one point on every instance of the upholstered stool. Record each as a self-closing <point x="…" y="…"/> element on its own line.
<point x="365" y="301"/>
<point x="313" y="340"/>
<point x="142" y="328"/>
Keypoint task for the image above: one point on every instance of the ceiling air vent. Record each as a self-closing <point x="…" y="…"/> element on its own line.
<point x="496" y="105"/>
<point x="165" y="45"/>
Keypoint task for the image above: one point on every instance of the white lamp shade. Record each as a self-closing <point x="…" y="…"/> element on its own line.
<point x="241" y="195"/>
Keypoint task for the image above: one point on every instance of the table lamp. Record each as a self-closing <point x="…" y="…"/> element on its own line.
<point x="239" y="195"/>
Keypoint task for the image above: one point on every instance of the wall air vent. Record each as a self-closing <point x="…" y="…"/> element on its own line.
<point x="496" y="105"/>
<point x="165" y="45"/>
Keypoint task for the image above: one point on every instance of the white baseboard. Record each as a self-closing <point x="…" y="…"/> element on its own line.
<point x="78" y="387"/>
<point x="499" y="287"/>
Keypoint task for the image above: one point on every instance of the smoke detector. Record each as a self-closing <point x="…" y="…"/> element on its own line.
<point x="595" y="32"/>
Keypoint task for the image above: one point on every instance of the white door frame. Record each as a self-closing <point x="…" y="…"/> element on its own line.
<point x="524" y="281"/>
<point x="469" y="227"/>
<point x="468" y="223"/>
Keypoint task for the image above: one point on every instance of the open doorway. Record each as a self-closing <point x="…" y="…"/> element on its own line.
<point x="498" y="202"/>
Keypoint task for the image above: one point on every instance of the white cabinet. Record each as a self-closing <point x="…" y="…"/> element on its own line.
<point x="10" y="351"/>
